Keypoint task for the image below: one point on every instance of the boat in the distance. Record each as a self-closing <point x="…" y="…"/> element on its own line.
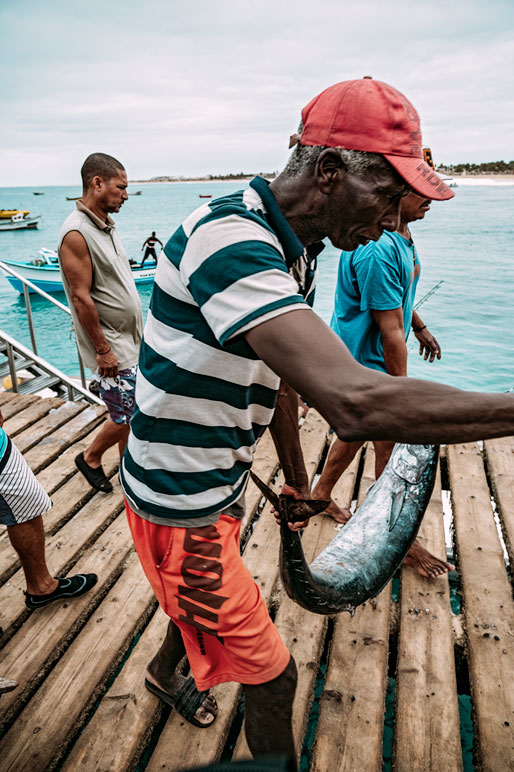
<point x="449" y="181"/>
<point x="38" y="193"/>
<point x="204" y="196"/>
<point x="72" y="198"/>
<point x="136" y="193"/>
<point x="6" y="214"/>
<point x="43" y="271"/>
<point x="18" y="222"/>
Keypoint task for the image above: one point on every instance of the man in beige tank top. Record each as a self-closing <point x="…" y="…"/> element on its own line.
<point x="104" y="304"/>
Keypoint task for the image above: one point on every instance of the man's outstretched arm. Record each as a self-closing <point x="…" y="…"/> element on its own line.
<point x="363" y="404"/>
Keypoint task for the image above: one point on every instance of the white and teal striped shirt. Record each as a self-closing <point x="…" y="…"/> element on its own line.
<point x="203" y="398"/>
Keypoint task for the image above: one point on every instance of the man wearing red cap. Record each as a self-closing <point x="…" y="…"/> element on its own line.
<point x="229" y="318"/>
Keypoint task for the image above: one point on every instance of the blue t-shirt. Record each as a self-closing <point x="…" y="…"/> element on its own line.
<point x="3" y="443"/>
<point x="380" y="276"/>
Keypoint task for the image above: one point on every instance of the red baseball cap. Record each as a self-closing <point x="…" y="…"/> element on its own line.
<point x="372" y="116"/>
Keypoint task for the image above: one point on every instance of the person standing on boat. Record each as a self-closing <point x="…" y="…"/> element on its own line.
<point x="150" y="243"/>
<point x="104" y="304"/>
<point x="23" y="502"/>
<point x="373" y="314"/>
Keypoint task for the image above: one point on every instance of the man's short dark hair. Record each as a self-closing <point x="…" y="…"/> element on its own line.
<point x="101" y="165"/>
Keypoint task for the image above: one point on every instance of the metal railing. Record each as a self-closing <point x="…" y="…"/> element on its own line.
<point x="13" y="347"/>
<point x="41" y="363"/>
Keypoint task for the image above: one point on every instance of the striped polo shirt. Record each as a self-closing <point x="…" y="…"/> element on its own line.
<point x="203" y="397"/>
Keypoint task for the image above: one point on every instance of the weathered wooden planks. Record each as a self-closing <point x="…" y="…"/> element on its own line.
<point x="62" y="550"/>
<point x="427" y="729"/>
<point x="488" y="608"/>
<point x="63" y="467"/>
<point x="500" y="463"/>
<point x="50" y="646"/>
<point x="33" y="413"/>
<point x="349" y="733"/>
<point x="37" y="739"/>
<point x="52" y="445"/>
<point x="67" y="500"/>
<point x="7" y="397"/>
<point x="16" y="403"/>
<point x="48" y="632"/>
<point x="127" y="710"/>
<point x="38" y="431"/>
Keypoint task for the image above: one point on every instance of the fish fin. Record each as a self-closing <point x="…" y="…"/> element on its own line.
<point x="301" y="509"/>
<point x="396" y="508"/>
<point x="266" y="491"/>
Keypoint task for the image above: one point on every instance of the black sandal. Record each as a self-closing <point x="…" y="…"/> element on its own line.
<point x="95" y="477"/>
<point x="68" y="587"/>
<point x="186" y="702"/>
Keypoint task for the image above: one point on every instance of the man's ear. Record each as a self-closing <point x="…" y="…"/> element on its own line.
<point x="96" y="182"/>
<point x="329" y="170"/>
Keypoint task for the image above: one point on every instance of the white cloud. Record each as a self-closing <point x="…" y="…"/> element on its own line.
<point x="185" y="88"/>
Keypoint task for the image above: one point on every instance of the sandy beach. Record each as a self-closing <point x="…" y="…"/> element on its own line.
<point x="460" y="179"/>
<point x="483" y="179"/>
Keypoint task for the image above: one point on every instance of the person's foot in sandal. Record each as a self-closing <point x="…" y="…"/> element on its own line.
<point x="68" y="587"/>
<point x="94" y="475"/>
<point x="199" y="708"/>
<point x="7" y="685"/>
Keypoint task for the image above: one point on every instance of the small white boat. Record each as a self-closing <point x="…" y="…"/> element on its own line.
<point x="19" y="222"/>
<point x="43" y="271"/>
<point x="450" y="182"/>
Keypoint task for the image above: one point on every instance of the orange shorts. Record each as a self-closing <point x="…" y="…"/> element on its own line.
<point x="202" y="584"/>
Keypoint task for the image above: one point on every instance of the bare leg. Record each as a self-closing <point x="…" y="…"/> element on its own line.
<point x="28" y="539"/>
<point x="161" y="671"/>
<point x="425" y="563"/>
<point x="340" y="456"/>
<point x="122" y="443"/>
<point x="268" y="715"/>
<point x="109" y="435"/>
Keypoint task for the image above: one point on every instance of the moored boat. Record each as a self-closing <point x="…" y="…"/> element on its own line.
<point x="205" y="196"/>
<point x="19" y="223"/>
<point x="43" y="271"/>
<point x="450" y="182"/>
<point x="7" y="214"/>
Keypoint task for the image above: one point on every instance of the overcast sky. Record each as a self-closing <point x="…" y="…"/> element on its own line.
<point x="211" y="86"/>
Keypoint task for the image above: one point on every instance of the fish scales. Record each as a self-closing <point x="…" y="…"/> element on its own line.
<point x="364" y="555"/>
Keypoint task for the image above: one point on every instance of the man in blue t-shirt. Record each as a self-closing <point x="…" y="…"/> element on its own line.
<point x="373" y="314"/>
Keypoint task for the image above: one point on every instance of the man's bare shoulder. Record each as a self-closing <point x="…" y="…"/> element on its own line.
<point x="74" y="245"/>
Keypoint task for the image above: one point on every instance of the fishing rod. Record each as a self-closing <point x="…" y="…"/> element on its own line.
<point x="423" y="299"/>
<point x="429" y="294"/>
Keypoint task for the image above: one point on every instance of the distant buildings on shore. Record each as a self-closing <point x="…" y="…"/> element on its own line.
<point x="210" y="177"/>
<point x="461" y="169"/>
<point x="490" y="167"/>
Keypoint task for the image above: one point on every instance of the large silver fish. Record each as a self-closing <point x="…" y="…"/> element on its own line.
<point x="364" y="555"/>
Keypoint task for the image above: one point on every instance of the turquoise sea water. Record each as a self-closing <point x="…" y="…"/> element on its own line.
<point x="467" y="242"/>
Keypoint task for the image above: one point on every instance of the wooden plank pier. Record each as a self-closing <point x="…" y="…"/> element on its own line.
<point x="81" y="703"/>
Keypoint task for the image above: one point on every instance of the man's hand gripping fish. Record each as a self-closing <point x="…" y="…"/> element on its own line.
<point x="364" y="555"/>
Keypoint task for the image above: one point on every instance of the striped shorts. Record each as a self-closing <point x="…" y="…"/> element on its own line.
<point x="22" y="498"/>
